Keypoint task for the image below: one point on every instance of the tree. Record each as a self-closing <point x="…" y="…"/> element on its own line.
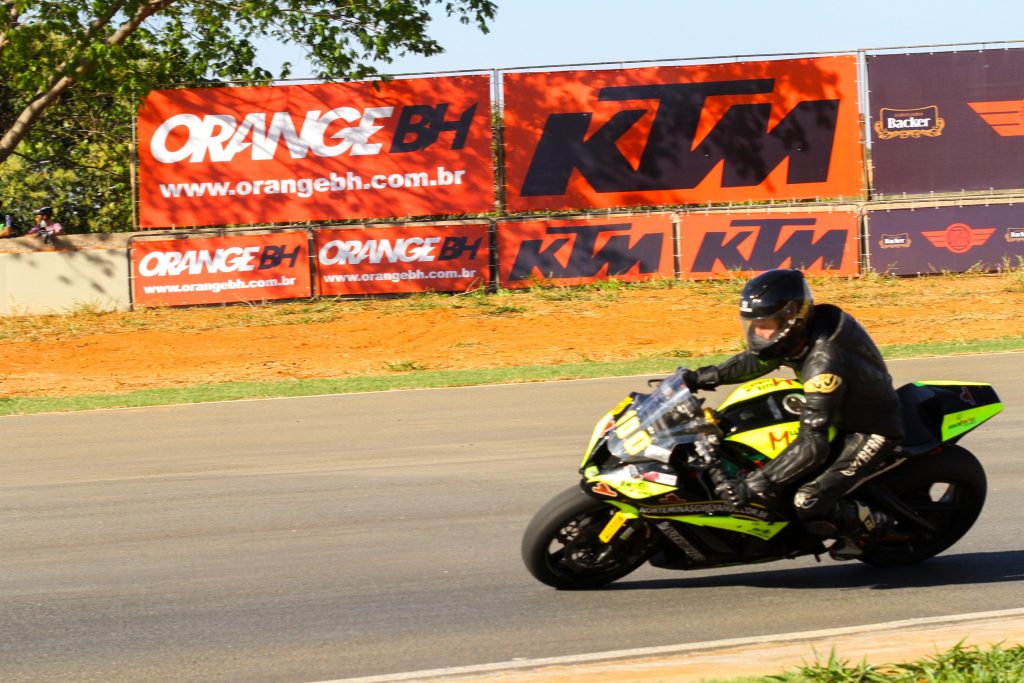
<point x="73" y="71"/>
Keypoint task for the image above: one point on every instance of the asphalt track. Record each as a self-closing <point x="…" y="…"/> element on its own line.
<point x="365" y="535"/>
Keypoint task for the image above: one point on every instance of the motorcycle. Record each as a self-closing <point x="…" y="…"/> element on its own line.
<point x="650" y="468"/>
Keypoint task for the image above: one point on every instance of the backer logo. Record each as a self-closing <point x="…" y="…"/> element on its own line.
<point x="1014" y="235"/>
<point x="959" y="238"/>
<point x="1005" y="117"/>
<point x="909" y="123"/>
<point x="901" y="241"/>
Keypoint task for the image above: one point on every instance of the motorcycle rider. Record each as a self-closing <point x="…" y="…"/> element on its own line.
<point x="848" y="389"/>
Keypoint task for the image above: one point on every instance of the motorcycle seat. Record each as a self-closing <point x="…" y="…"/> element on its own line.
<point x="922" y="419"/>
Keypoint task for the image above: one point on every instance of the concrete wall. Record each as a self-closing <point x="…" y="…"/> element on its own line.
<point x="75" y="271"/>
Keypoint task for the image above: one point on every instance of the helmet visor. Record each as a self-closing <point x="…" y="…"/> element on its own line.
<point x="762" y="332"/>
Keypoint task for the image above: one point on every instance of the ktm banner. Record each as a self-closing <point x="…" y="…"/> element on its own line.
<point x="570" y="252"/>
<point x="732" y="244"/>
<point x="220" y="156"/>
<point x="947" y="121"/>
<point x="946" y="239"/>
<point x="438" y="258"/>
<point x="733" y="132"/>
<point x="210" y="270"/>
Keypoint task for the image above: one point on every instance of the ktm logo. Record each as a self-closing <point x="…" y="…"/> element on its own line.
<point x="1006" y="117"/>
<point x="672" y="157"/>
<point x="958" y="238"/>
<point x="584" y="259"/>
<point x="767" y="243"/>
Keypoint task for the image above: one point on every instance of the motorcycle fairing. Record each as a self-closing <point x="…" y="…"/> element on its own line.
<point x="937" y="412"/>
<point x="606" y="422"/>
<point x="628" y="481"/>
<point x="637" y="489"/>
<point x="757" y="389"/>
<point x="751" y="527"/>
<point x="769" y="441"/>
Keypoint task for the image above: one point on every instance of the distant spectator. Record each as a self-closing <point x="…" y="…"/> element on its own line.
<point x="7" y="229"/>
<point x="45" y="226"/>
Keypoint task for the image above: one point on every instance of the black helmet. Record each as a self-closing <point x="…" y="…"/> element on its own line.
<point x="46" y="211"/>
<point x="781" y="296"/>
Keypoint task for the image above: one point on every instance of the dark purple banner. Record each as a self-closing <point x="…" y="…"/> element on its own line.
<point x="947" y="238"/>
<point x="947" y="121"/>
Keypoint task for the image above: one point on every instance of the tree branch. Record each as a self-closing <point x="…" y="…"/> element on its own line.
<point x="65" y="77"/>
<point x="13" y="16"/>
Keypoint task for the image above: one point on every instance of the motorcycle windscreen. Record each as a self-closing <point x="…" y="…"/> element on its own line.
<point x="656" y="423"/>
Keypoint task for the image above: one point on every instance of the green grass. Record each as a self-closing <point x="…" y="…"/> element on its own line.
<point x="415" y="377"/>
<point x="960" y="664"/>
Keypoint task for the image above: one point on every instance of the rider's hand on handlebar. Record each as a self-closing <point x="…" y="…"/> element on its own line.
<point x="733" y="492"/>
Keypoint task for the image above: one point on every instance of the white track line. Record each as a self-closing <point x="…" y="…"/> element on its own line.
<point x="677" y="649"/>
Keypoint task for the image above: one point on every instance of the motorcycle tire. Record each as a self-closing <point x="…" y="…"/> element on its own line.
<point x="561" y="545"/>
<point x="947" y="489"/>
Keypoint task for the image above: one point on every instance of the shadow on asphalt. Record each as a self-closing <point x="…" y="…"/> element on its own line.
<point x="947" y="570"/>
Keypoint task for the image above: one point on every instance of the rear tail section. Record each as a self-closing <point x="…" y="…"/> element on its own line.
<point x="941" y="412"/>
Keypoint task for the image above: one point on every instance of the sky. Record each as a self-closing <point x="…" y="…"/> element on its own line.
<point x="559" y="32"/>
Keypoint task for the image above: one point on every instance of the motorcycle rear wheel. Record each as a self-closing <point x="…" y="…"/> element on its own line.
<point x="948" y="490"/>
<point x="561" y="547"/>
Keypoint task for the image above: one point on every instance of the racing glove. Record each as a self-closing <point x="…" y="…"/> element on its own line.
<point x="756" y="488"/>
<point x="702" y="378"/>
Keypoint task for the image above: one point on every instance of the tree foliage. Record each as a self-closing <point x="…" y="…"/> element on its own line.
<point x="73" y="71"/>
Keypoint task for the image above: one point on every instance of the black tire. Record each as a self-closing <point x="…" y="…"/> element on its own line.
<point x="948" y="490"/>
<point x="561" y="547"/>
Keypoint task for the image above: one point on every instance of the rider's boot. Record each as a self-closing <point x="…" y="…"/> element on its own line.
<point x="858" y="526"/>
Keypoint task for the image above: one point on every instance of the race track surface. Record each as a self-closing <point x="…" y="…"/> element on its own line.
<point x="361" y="535"/>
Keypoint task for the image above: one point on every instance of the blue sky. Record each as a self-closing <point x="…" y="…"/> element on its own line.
<point x="555" y="32"/>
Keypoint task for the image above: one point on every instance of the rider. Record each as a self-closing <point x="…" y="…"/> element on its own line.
<point x="847" y="387"/>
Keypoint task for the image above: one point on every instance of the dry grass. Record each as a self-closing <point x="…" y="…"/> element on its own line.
<point x="935" y="298"/>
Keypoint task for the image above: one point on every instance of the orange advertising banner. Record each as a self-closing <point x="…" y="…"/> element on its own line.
<point x="209" y="270"/>
<point x="741" y="244"/>
<point x="578" y="251"/>
<point x="328" y="151"/>
<point x="717" y="133"/>
<point x="438" y="258"/>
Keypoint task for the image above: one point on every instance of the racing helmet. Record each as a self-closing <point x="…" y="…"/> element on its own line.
<point x="45" y="211"/>
<point x="775" y="310"/>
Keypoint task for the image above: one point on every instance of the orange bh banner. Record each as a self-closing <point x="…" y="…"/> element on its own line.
<point x="188" y="272"/>
<point x="439" y="258"/>
<point x="246" y="155"/>
<point x="744" y="131"/>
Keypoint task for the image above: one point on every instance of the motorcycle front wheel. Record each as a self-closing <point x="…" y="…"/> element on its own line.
<point x="946" y="490"/>
<point x="561" y="545"/>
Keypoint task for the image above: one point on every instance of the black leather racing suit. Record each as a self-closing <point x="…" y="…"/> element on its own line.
<point x="848" y="387"/>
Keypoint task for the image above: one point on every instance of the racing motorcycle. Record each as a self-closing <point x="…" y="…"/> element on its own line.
<point x="650" y="469"/>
